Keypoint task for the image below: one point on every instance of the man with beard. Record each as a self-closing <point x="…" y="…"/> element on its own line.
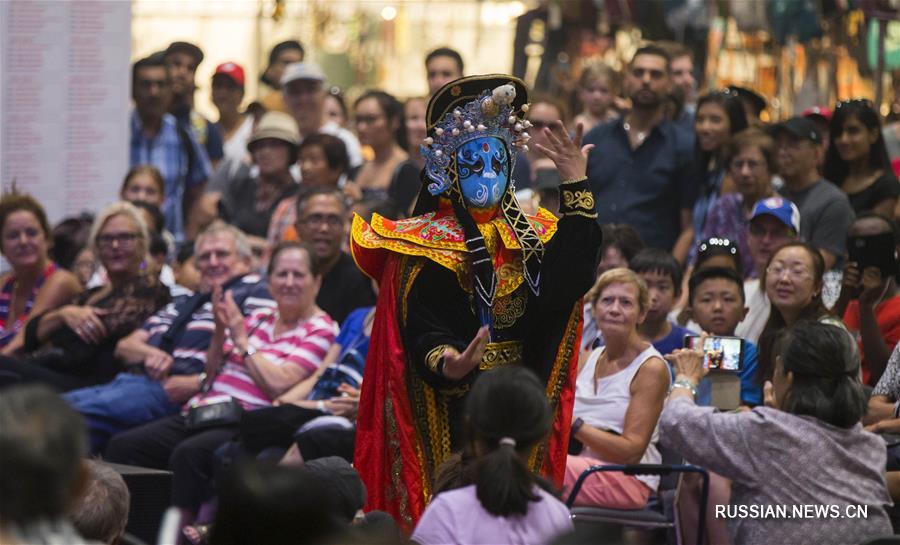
<point x="640" y="166"/>
<point x="182" y="60"/>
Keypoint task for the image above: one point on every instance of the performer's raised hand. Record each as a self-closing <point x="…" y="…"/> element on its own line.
<point x="457" y="365"/>
<point x="567" y="153"/>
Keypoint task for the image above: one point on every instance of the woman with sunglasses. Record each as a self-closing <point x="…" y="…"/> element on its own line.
<point x="72" y="346"/>
<point x="857" y="159"/>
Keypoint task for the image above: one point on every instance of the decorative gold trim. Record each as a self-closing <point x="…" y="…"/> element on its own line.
<point x="573" y="180"/>
<point x="559" y="374"/>
<point x="580" y="213"/>
<point x="578" y="199"/>
<point x="398" y="489"/>
<point x="501" y="354"/>
<point x="508" y="309"/>
<point x="434" y="356"/>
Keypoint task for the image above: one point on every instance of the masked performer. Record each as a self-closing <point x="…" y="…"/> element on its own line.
<point x="468" y="284"/>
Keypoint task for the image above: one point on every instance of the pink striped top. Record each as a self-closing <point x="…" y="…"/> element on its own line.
<point x="304" y="346"/>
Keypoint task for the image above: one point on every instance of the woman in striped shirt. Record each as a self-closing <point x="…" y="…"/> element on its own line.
<point x="252" y="360"/>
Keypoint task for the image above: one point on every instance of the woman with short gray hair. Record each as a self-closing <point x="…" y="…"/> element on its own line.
<point x="806" y="447"/>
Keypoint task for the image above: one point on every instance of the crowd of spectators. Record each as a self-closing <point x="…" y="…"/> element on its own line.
<point x="212" y="322"/>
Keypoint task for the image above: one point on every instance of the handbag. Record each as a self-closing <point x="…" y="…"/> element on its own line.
<point x="218" y="410"/>
<point x="215" y="411"/>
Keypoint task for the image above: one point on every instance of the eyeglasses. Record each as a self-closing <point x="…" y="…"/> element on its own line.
<point x="124" y="240"/>
<point x="794" y="273"/>
<point x="757" y="230"/>
<point x="739" y="164"/>
<point x="317" y="220"/>
<point x="220" y="255"/>
<point x="368" y="119"/>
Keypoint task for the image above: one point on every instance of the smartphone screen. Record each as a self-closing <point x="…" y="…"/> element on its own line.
<point x="725" y="353"/>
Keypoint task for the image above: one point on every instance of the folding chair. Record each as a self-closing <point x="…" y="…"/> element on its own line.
<point x="650" y="517"/>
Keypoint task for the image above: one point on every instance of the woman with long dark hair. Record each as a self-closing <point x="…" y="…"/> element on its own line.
<point x="719" y="116"/>
<point x="857" y="159"/>
<point x="390" y="174"/>
<point x="501" y="501"/>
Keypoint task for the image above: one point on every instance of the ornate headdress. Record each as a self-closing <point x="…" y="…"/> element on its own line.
<point x="493" y="113"/>
<point x="463" y="110"/>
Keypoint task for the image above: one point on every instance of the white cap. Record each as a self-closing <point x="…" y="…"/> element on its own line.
<point x="302" y="70"/>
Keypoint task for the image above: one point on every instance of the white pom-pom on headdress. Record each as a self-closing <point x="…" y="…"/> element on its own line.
<point x="504" y="95"/>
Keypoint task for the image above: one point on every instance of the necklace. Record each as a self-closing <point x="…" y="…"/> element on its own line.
<point x="639" y="137"/>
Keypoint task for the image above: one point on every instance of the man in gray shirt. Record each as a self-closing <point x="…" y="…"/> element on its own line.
<point x="825" y="210"/>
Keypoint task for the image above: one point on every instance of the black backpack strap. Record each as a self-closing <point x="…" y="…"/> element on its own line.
<point x="185" y="137"/>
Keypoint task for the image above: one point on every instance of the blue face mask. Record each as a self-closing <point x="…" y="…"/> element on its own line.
<point x="483" y="171"/>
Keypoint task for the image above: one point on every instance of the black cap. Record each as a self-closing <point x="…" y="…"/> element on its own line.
<point x="464" y="90"/>
<point x="286" y="45"/>
<point x="186" y="47"/>
<point x="759" y="103"/>
<point x="800" y="127"/>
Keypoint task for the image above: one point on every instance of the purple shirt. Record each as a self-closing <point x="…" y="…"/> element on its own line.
<point x="456" y="516"/>
<point x="775" y="458"/>
<point x="728" y="220"/>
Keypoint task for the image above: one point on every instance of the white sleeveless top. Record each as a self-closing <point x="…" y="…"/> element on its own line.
<point x="603" y="404"/>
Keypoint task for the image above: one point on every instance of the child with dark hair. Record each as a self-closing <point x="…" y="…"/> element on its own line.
<point x="506" y="414"/>
<point x="716" y="304"/>
<point x="662" y="273"/>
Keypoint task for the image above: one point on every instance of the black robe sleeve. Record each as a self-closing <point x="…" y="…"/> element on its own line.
<point x="439" y="314"/>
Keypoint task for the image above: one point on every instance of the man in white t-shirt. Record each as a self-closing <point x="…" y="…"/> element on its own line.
<point x="303" y="84"/>
<point x="236" y="126"/>
<point x="774" y="222"/>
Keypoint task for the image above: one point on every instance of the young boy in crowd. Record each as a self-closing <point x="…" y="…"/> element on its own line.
<point x="716" y="303"/>
<point x="662" y="273"/>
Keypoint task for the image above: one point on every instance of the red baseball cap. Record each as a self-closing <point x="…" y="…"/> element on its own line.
<point x="821" y="112"/>
<point x="231" y="70"/>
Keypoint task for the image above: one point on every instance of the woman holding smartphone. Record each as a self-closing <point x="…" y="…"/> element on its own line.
<point x="619" y="395"/>
<point x="814" y="404"/>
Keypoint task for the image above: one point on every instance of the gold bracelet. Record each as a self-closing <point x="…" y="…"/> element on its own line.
<point x="574" y="180"/>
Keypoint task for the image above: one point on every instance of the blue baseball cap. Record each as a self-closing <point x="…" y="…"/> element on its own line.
<point x="780" y="208"/>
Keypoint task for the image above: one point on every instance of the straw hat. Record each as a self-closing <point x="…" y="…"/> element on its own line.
<point x="277" y="125"/>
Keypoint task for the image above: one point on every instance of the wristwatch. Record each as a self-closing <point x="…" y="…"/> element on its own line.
<point x="249" y="352"/>
<point x="202" y="378"/>
<point x="577" y="426"/>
